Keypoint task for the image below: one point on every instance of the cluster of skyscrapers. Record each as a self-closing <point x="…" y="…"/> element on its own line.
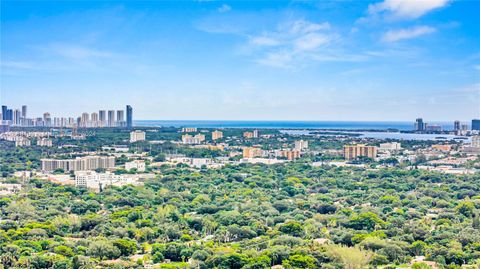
<point x="421" y="126"/>
<point x="14" y="116"/>
<point x="102" y="118"/>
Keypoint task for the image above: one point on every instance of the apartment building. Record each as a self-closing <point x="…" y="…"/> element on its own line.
<point x="79" y="164"/>
<point x="351" y="152"/>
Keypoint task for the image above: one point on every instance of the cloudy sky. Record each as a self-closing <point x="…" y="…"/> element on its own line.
<point x="259" y="60"/>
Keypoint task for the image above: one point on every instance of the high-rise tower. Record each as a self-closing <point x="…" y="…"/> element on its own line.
<point x="129" y="116"/>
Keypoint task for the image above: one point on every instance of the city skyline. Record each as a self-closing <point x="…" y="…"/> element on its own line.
<point x="109" y="116"/>
<point x="221" y="60"/>
<point x="100" y="118"/>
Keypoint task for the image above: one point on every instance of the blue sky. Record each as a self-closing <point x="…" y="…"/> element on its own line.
<point x="257" y="60"/>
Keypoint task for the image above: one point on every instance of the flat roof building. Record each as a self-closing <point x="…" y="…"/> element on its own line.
<point x="217" y="135"/>
<point x="79" y="164"/>
<point x="137" y="135"/>
<point x="352" y="152"/>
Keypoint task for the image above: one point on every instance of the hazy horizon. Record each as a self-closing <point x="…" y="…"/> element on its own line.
<point x="392" y="60"/>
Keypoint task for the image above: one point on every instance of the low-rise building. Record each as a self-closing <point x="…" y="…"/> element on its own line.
<point x="23" y="174"/>
<point x="252" y="152"/>
<point x="262" y="160"/>
<point x="62" y="179"/>
<point x="97" y="181"/>
<point x="136" y="136"/>
<point x="116" y="148"/>
<point x="476" y="141"/>
<point x="440" y="147"/>
<point x="44" y="142"/>
<point x="189" y="139"/>
<point x="448" y="169"/>
<point x="189" y="129"/>
<point x="139" y="165"/>
<point x="211" y="147"/>
<point x="23" y="142"/>
<point x="9" y="189"/>
<point x="393" y="146"/>
<point x="194" y="162"/>
<point x="433" y="128"/>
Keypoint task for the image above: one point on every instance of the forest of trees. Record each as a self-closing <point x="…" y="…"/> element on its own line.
<point x="248" y="216"/>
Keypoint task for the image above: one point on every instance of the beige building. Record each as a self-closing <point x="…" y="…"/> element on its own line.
<point x="440" y="147"/>
<point x="253" y="134"/>
<point x="351" y="152"/>
<point x="301" y="145"/>
<point x="248" y="134"/>
<point x="476" y="141"/>
<point x="217" y="135"/>
<point x="189" y="139"/>
<point x="251" y="152"/>
<point x="291" y="154"/>
<point x="137" y="136"/>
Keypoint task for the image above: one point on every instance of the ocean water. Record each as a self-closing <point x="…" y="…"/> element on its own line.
<point x="344" y="125"/>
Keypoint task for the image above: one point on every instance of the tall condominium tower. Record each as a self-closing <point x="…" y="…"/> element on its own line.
<point x="85" y="117"/>
<point x="456" y="125"/>
<point x="102" y="117"/>
<point x="47" y="120"/>
<point x="111" y="118"/>
<point x="129" y="116"/>
<point x="24" y="111"/>
<point x="94" y="116"/>
<point x="120" y="117"/>
<point x="7" y="114"/>
<point x="17" y="117"/>
<point x="476" y="124"/>
<point x="419" y="125"/>
<point x="4" y="112"/>
<point x="10" y="114"/>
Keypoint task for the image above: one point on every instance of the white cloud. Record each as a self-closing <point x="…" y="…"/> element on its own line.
<point x="401" y="34"/>
<point x="305" y="27"/>
<point x="78" y="52"/>
<point x="264" y="41"/>
<point x="224" y="8"/>
<point x="406" y="9"/>
<point x="281" y="59"/>
<point x="311" y="41"/>
<point x="293" y="43"/>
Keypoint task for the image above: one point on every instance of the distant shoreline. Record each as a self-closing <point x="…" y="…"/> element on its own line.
<point x="313" y="125"/>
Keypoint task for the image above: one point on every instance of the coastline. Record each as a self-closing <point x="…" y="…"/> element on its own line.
<point x="303" y="125"/>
